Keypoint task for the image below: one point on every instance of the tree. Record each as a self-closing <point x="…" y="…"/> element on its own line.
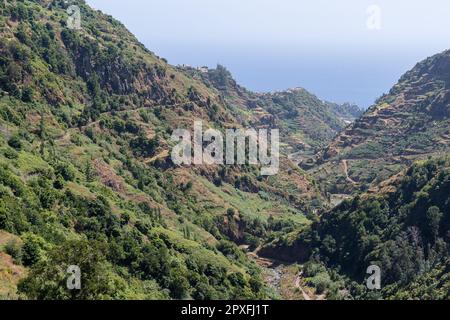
<point x="178" y="283"/>
<point x="32" y="250"/>
<point x="434" y="217"/>
<point x="47" y="280"/>
<point x="93" y="85"/>
<point x="15" y="142"/>
<point x="27" y="94"/>
<point x="89" y="171"/>
<point x="230" y="213"/>
<point x="14" y="72"/>
<point x="66" y="170"/>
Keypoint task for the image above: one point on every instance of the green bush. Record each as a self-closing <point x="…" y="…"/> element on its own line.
<point x="15" y="142"/>
<point x="33" y="249"/>
<point x="47" y="279"/>
<point x="10" y="153"/>
<point x="14" y="249"/>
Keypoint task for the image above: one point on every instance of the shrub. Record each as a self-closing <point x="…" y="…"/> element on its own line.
<point x="15" y="142"/>
<point x="65" y="170"/>
<point x="14" y="249"/>
<point x="10" y="153"/>
<point x="46" y="280"/>
<point x="320" y="282"/>
<point x="27" y="94"/>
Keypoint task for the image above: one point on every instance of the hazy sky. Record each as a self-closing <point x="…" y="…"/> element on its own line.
<point x="324" y="46"/>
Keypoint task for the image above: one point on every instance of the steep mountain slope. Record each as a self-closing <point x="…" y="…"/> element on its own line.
<point x="86" y="178"/>
<point x="346" y="112"/>
<point x="306" y="122"/>
<point x="403" y="227"/>
<point x="410" y="122"/>
<point x="85" y="123"/>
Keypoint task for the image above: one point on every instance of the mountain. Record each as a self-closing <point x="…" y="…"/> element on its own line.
<point x="403" y="227"/>
<point x="86" y="118"/>
<point x="387" y="174"/>
<point x="306" y="122"/>
<point x="410" y="122"/>
<point x="87" y="180"/>
<point x="347" y="112"/>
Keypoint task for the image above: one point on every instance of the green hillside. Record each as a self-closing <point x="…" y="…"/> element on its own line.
<point x="85" y="119"/>
<point x="87" y="179"/>
<point x="410" y="122"/>
<point x="403" y="228"/>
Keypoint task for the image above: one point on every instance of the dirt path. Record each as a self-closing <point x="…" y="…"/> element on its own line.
<point x="345" y="166"/>
<point x="306" y="296"/>
<point x="279" y="277"/>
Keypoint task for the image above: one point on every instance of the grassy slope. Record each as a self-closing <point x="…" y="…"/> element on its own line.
<point x="84" y="156"/>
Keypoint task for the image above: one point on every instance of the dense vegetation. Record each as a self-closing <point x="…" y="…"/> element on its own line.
<point x="411" y="122"/>
<point x="85" y="121"/>
<point x="404" y="229"/>
<point x="86" y="178"/>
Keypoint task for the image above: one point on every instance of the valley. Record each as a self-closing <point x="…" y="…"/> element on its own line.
<point x="87" y="119"/>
